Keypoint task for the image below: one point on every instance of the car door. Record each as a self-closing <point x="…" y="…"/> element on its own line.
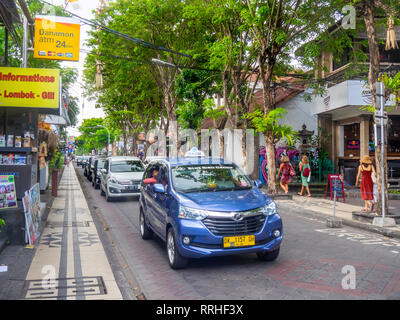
<point x="103" y="176"/>
<point x="148" y="195"/>
<point x="162" y="201"/>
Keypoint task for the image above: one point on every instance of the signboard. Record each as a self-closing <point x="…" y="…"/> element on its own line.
<point x="8" y="196"/>
<point x="29" y="87"/>
<point x="56" y="38"/>
<point x="335" y="183"/>
<point x="353" y="144"/>
<point x="31" y="202"/>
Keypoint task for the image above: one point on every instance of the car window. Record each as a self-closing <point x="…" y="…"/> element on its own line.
<point x="200" y="178"/>
<point x="163" y="176"/>
<point x="126" y="166"/>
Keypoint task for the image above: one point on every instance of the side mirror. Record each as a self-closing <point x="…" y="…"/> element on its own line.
<point x="103" y="171"/>
<point x="159" y="188"/>
<point x="258" y="183"/>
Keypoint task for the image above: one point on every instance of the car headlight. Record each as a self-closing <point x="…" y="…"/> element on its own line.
<point x="193" y="214"/>
<point x="113" y="180"/>
<point x="269" y="209"/>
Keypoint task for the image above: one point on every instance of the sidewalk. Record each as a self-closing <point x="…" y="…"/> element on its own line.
<point x="69" y="261"/>
<point x="323" y="208"/>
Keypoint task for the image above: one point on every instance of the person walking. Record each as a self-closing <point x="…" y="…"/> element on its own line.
<point x="305" y="174"/>
<point x="365" y="170"/>
<point x="287" y="173"/>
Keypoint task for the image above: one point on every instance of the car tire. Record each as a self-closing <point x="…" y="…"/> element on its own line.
<point x="145" y="231"/>
<point x="102" y="193"/>
<point x="268" y="255"/>
<point x="176" y="261"/>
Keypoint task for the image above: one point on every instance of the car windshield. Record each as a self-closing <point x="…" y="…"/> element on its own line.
<point x="208" y="178"/>
<point x="126" y="166"/>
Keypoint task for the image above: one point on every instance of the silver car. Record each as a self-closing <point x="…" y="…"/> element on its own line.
<point x="121" y="177"/>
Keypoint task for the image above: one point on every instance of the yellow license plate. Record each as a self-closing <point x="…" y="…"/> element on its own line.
<point x="239" y="241"/>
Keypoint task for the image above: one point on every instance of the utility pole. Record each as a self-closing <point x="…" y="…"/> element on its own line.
<point x="380" y="140"/>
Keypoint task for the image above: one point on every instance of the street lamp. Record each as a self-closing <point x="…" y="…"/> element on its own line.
<point x="108" y="131"/>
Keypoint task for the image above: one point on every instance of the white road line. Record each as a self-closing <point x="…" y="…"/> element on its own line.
<point x="394" y="251"/>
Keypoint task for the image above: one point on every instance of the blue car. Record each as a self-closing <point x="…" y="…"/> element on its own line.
<point x="206" y="207"/>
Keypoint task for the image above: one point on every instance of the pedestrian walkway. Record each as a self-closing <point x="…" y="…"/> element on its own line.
<point x="70" y="262"/>
<point x="344" y="211"/>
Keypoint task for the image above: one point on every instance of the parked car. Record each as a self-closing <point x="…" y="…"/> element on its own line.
<point x="88" y="168"/>
<point x="98" y="165"/>
<point x="121" y="177"/>
<point x="85" y="161"/>
<point x="79" y="160"/>
<point x="205" y="207"/>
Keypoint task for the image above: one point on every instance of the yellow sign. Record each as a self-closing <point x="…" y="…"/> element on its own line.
<point x="29" y="87"/>
<point x="56" y="38"/>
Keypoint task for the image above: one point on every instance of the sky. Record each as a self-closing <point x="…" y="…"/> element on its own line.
<point x="82" y="8"/>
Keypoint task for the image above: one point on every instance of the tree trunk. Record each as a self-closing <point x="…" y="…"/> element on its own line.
<point x="368" y="9"/>
<point x="270" y="154"/>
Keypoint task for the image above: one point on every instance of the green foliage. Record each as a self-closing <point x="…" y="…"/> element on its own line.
<point x="269" y="123"/>
<point x="94" y="137"/>
<point x="2" y="224"/>
<point x="57" y="160"/>
<point x="392" y="87"/>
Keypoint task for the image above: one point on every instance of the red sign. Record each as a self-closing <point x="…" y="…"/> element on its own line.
<point x="335" y="183"/>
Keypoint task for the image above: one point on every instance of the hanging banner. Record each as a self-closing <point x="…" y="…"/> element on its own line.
<point x="29" y="87"/>
<point x="56" y="38"/>
<point x="8" y="196"/>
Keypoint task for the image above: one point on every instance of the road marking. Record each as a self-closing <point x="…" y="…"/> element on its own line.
<point x="361" y="238"/>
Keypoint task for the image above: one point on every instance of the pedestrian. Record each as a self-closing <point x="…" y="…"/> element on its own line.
<point x="375" y="182"/>
<point x="287" y="173"/>
<point x="365" y="170"/>
<point x="305" y="174"/>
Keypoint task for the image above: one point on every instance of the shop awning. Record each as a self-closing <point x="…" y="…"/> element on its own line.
<point x="57" y="120"/>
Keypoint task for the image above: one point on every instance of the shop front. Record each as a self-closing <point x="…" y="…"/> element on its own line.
<point x="353" y="138"/>
<point x="25" y="94"/>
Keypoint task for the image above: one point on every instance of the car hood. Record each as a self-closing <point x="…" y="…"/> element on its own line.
<point x="238" y="200"/>
<point x="127" y="175"/>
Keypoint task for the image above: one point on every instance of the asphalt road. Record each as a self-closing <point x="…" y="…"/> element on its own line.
<point x="315" y="262"/>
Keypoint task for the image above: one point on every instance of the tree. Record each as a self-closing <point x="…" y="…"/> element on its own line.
<point x="278" y="27"/>
<point x="94" y="136"/>
<point x="369" y="9"/>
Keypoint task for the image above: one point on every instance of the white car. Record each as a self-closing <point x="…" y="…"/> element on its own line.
<point x="121" y="177"/>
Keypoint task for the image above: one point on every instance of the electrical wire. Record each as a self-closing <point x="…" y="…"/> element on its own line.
<point x="120" y="34"/>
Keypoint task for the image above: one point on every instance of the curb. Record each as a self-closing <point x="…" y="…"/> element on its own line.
<point x="371" y="228"/>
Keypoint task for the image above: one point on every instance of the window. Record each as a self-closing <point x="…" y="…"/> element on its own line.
<point x="209" y="178"/>
<point x="126" y="166"/>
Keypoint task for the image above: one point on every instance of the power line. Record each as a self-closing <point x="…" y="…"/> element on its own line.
<point x="120" y="34"/>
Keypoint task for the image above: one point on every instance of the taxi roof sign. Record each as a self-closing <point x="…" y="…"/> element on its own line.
<point x="194" y="152"/>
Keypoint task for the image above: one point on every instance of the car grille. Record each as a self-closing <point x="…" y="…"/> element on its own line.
<point x="230" y="227"/>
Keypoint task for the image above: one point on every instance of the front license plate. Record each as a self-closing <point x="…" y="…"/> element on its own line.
<point x="131" y="188"/>
<point x="239" y="241"/>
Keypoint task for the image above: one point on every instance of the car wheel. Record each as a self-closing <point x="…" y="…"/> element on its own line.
<point x="268" y="255"/>
<point x="176" y="261"/>
<point x="145" y="231"/>
<point x="102" y="193"/>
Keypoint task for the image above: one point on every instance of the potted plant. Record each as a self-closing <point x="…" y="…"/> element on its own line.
<point x="55" y="164"/>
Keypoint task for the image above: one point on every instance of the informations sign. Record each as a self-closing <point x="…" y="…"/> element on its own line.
<point x="8" y="196"/>
<point x="29" y="87"/>
<point x="56" y="38"/>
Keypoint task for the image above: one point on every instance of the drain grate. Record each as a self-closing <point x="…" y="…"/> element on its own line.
<point x="67" y="224"/>
<point x="64" y="288"/>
